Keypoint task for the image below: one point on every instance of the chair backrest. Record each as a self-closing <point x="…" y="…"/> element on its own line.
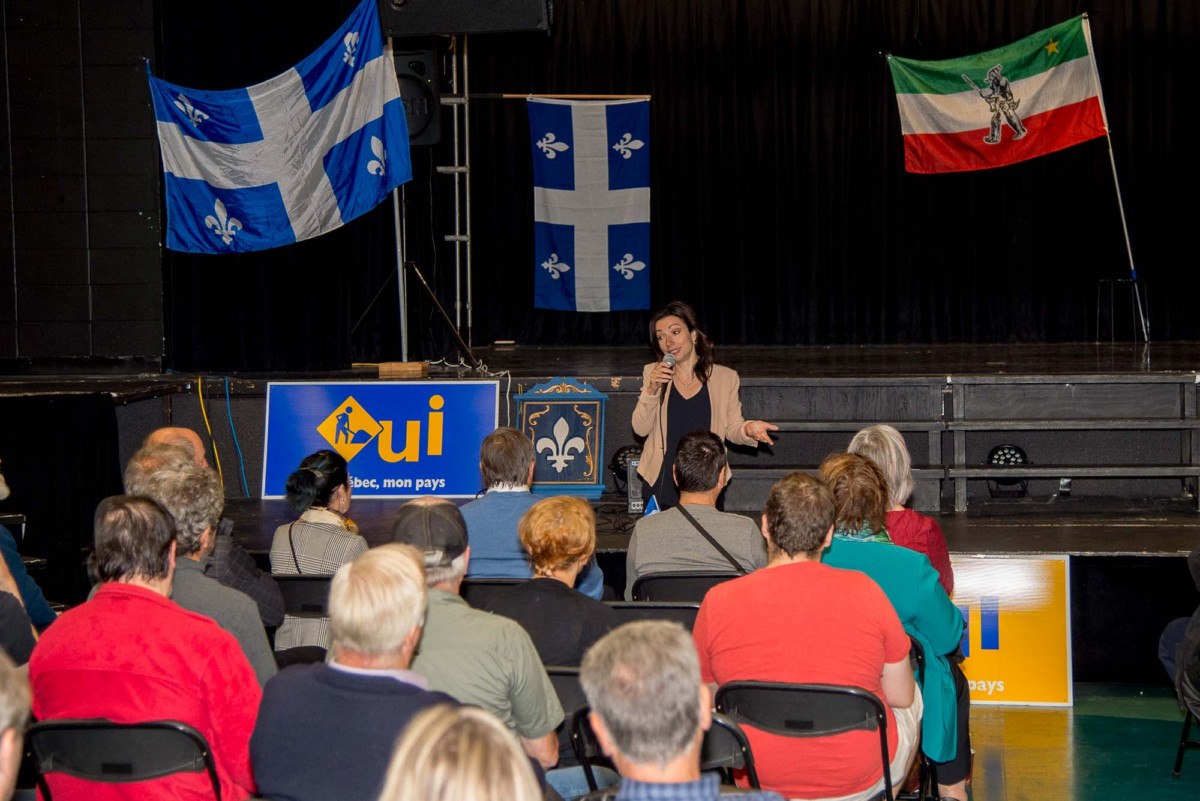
<point x="304" y="596"/>
<point x="587" y="747"/>
<point x="478" y="591"/>
<point x="677" y="586"/>
<point x="570" y="695"/>
<point x="682" y="612"/>
<point x="103" y="751"/>
<point x="807" y="710"/>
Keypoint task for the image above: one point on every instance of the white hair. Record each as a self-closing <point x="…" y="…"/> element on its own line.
<point x="377" y="600"/>
<point x="885" y="446"/>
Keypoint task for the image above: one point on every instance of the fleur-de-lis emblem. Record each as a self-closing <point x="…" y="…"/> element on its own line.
<point x="350" y="40"/>
<point x="560" y="447"/>
<point x="550" y="145"/>
<point x="627" y="144"/>
<point x="627" y="266"/>
<point x="194" y="115"/>
<point x="223" y="225"/>
<point x="555" y="267"/>
<point x="377" y="165"/>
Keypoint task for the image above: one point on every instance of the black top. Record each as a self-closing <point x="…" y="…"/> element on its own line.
<point x="562" y="622"/>
<point x="684" y="415"/>
<point x="16" y="632"/>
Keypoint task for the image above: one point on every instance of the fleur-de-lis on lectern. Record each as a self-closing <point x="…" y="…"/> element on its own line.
<point x="550" y="145"/>
<point x="377" y="165"/>
<point x="223" y="225"/>
<point x="627" y="144"/>
<point x="560" y="447"/>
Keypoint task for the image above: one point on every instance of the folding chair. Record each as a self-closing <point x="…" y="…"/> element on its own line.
<point x="807" y="710"/>
<point x="682" y="612"/>
<point x="103" y="751"/>
<point x="928" y="787"/>
<point x="678" y="585"/>
<point x="477" y="592"/>
<point x="570" y="696"/>
<point x="304" y="596"/>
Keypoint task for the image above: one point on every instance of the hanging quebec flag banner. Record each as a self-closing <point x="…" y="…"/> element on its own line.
<point x="290" y="158"/>
<point x="591" y="204"/>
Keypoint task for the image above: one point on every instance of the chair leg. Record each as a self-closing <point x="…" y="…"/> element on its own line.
<point x="1183" y="744"/>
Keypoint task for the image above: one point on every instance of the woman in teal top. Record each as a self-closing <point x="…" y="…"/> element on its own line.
<point x="860" y="542"/>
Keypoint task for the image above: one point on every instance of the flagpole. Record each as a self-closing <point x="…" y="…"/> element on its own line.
<point x="1087" y="32"/>
<point x="402" y="295"/>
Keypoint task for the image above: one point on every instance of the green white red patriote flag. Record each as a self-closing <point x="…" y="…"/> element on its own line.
<point x="1033" y="97"/>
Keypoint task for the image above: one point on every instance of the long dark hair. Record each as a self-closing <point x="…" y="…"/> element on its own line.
<point x="314" y="483"/>
<point x="704" y="345"/>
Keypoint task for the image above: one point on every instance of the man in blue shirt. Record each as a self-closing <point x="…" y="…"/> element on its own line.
<point x="506" y="461"/>
<point x="650" y="712"/>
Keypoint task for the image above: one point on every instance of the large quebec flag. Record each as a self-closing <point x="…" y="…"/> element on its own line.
<point x="591" y="204"/>
<point x="287" y="159"/>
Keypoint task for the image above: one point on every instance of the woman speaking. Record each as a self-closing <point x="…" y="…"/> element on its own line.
<point x="684" y="391"/>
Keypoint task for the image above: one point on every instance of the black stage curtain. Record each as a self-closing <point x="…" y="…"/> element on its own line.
<point x="780" y="204"/>
<point x="60" y="459"/>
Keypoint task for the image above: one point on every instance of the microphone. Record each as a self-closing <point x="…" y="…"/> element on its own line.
<point x="669" y="360"/>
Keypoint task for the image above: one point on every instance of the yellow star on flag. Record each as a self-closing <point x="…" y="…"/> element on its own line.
<point x="1052" y="47"/>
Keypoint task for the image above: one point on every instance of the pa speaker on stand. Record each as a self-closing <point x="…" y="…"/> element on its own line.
<point x="420" y="89"/>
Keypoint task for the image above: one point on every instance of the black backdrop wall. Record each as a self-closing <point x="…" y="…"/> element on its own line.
<point x="780" y="205"/>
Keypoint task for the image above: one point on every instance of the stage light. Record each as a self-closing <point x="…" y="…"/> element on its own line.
<point x="1008" y="456"/>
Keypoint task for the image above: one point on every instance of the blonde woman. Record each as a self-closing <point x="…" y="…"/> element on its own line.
<point x="885" y="446"/>
<point x="459" y="754"/>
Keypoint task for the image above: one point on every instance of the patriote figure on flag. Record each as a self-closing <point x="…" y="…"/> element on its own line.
<point x="1000" y="100"/>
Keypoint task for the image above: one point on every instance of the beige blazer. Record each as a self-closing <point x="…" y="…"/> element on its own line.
<point x="727" y="421"/>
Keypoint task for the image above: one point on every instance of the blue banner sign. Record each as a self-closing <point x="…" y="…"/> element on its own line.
<point x="401" y="438"/>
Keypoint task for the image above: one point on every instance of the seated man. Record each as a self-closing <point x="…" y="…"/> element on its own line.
<point x="476" y="657"/>
<point x="670" y="541"/>
<point x="230" y="563"/>
<point x="131" y="654"/>
<point x="14" y="715"/>
<point x="650" y="712"/>
<point x="506" y="460"/>
<point x="361" y="700"/>
<point x="194" y="498"/>
<point x="798" y="620"/>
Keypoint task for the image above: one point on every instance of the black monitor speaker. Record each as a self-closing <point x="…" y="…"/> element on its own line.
<point x="419" y="77"/>
<point x="443" y="17"/>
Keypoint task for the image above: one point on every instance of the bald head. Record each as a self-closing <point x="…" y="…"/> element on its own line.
<point x="180" y="437"/>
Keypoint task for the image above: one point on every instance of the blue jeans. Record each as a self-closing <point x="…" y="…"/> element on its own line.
<point x="572" y="783"/>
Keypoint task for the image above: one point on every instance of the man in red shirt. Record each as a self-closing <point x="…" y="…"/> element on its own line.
<point x="131" y="654"/>
<point x="797" y="620"/>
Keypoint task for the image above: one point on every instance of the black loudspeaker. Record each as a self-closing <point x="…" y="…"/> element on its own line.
<point x="419" y="77"/>
<point x="443" y="17"/>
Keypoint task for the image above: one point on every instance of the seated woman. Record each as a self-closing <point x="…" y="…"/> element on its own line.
<point x="885" y="446"/>
<point x="459" y="754"/>
<point x="319" y="542"/>
<point x="911" y="584"/>
<point x="559" y="534"/>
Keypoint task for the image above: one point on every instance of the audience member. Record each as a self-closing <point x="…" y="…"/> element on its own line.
<point x="361" y="700"/>
<point x="194" y="498"/>
<point x="911" y="584"/>
<point x="560" y="535"/>
<point x="36" y="606"/>
<point x="675" y="539"/>
<point x="17" y="634"/>
<point x="172" y="665"/>
<point x="459" y="754"/>
<point x="230" y="564"/>
<point x="14" y="715"/>
<point x="650" y="711"/>
<point x="885" y="446"/>
<point x="506" y="461"/>
<point x="1179" y="644"/>
<point x="476" y="657"/>
<point x="798" y="620"/>
<point x="319" y="542"/>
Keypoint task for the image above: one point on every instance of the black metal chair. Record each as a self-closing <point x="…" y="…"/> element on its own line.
<point x="1189" y="699"/>
<point x="725" y="748"/>
<point x="103" y="751"/>
<point x="304" y="596"/>
<point x="571" y="698"/>
<point x="678" y="585"/>
<point x="478" y="591"/>
<point x="929" y="784"/>
<point x="807" y="710"/>
<point x="682" y="612"/>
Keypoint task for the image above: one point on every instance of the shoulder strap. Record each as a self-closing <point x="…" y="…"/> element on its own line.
<point x="292" y="543"/>
<point x="712" y="540"/>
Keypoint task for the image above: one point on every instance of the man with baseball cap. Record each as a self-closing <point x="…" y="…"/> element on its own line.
<point x="476" y="657"/>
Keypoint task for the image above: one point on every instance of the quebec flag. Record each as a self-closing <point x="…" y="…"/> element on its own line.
<point x="287" y="159"/>
<point x="591" y="204"/>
